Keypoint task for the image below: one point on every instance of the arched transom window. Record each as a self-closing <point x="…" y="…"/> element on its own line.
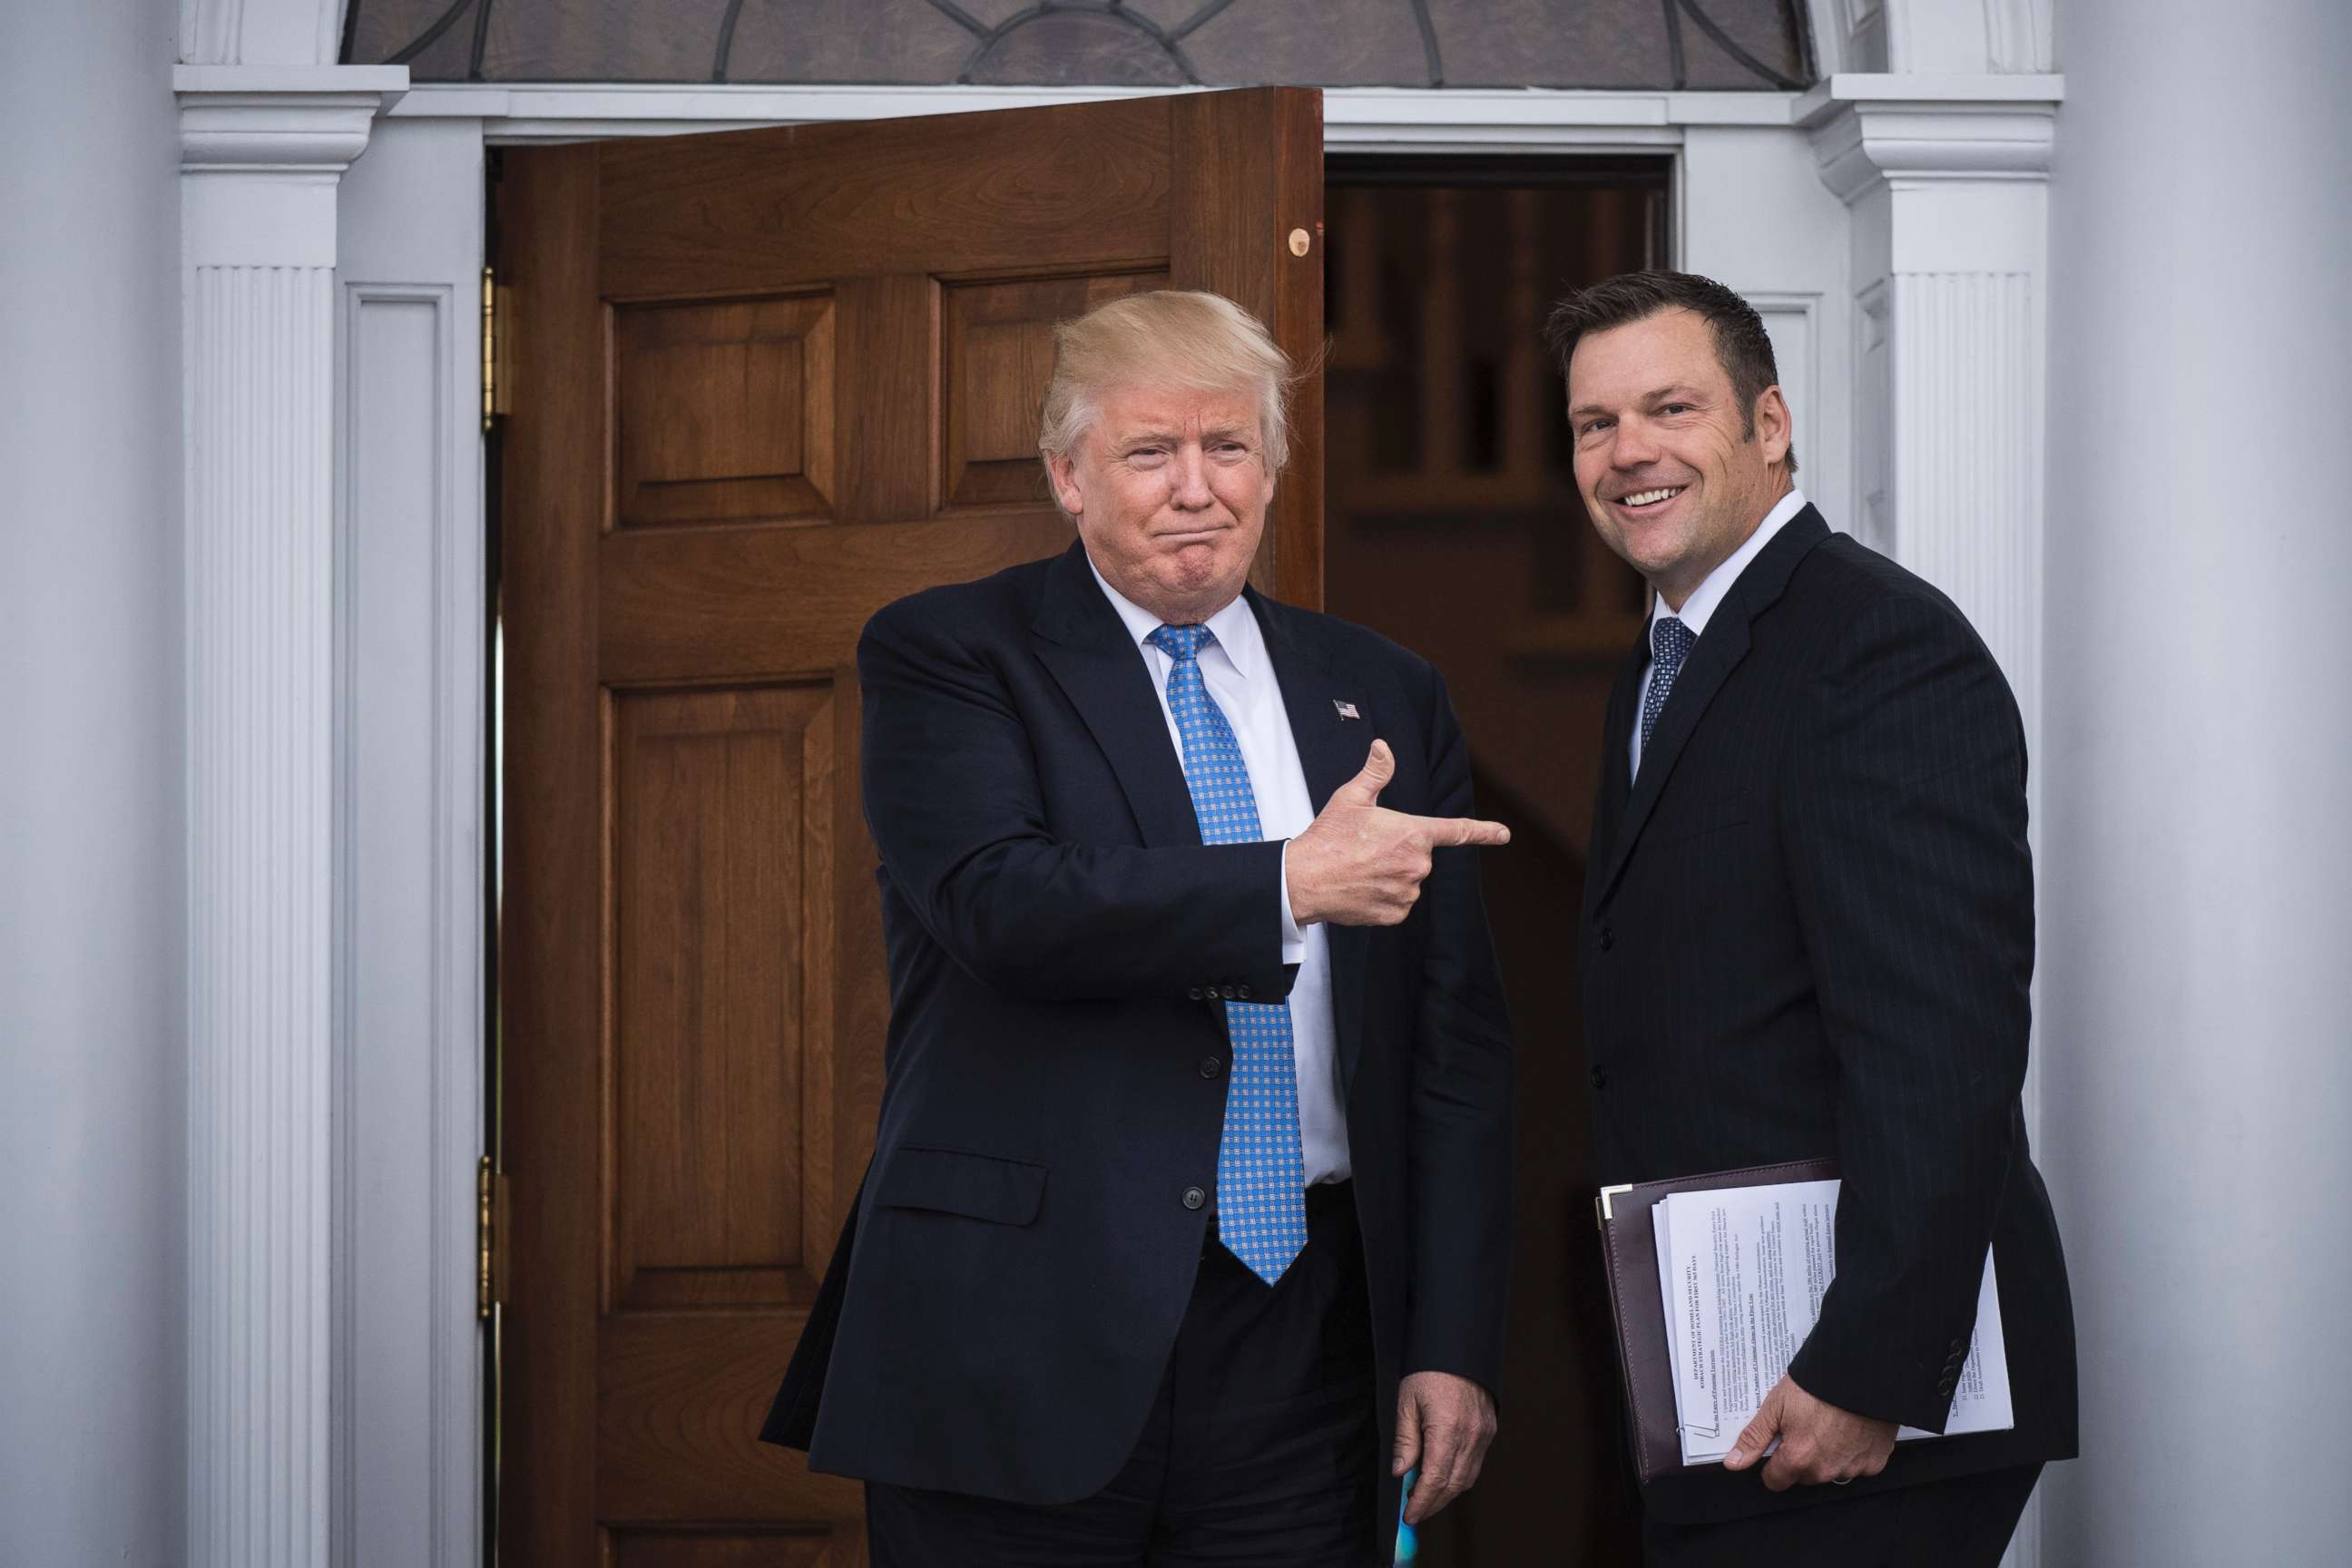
<point x="1759" y="45"/>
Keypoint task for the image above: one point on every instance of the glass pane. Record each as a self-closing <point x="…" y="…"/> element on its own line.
<point x="1259" y="43"/>
<point x="1541" y="43"/>
<point x="1076" y="47"/>
<point x="380" y="31"/>
<point x="849" y="40"/>
<point x="1624" y="44"/>
<point x="595" y="41"/>
<point x="1765" y="31"/>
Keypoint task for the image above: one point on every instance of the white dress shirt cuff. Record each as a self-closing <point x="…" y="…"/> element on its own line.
<point x="1294" y="941"/>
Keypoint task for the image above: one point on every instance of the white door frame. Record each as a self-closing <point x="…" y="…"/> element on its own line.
<point x="1862" y="218"/>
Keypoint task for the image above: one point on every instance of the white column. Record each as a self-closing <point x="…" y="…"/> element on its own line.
<point x="261" y="151"/>
<point x="2197" y="887"/>
<point x="1950" y="262"/>
<point x="1946" y="179"/>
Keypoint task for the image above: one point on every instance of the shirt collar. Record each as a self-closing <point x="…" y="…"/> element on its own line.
<point x="1235" y="626"/>
<point x="1708" y="597"/>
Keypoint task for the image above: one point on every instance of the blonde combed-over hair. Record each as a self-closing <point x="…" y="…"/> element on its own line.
<point x="1168" y="337"/>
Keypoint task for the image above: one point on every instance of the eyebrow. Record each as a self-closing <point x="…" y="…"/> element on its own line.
<point x="1678" y="391"/>
<point x="1172" y="438"/>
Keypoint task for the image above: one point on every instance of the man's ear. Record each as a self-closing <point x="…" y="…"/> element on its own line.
<point x="1774" y="427"/>
<point x="1064" y="470"/>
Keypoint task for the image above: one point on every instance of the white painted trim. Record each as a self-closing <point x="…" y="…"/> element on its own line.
<point x="257" y="236"/>
<point x="1354" y="119"/>
<point x="1866" y="136"/>
<point x="1946" y="179"/>
<point x="236" y="32"/>
<point x="452" y="875"/>
<point x="1803" y="309"/>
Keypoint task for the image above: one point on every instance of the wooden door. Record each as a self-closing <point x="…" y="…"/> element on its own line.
<point x="762" y="383"/>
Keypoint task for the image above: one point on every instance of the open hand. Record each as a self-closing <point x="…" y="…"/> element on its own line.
<point x="1443" y="1425"/>
<point x="1818" y="1442"/>
<point x="1359" y="864"/>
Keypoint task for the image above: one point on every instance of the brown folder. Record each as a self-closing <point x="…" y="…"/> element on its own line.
<point x="1629" y="1251"/>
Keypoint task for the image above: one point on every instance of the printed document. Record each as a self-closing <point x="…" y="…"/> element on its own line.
<point x="1742" y="1271"/>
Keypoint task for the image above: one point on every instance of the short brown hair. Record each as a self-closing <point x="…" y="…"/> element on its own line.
<point x="1741" y="346"/>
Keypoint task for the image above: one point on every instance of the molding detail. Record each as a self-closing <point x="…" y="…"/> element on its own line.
<point x="1354" y="119"/>
<point x="1947" y="184"/>
<point x="1867" y="129"/>
<point x="259" y="32"/>
<point x="1966" y="454"/>
<point x="260" y="827"/>
<point x="258" y="198"/>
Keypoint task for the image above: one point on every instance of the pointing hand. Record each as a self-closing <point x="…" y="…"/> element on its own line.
<point x="1360" y="864"/>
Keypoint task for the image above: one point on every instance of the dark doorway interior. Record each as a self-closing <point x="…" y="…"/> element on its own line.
<point x="1453" y="525"/>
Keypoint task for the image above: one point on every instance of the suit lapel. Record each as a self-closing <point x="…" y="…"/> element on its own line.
<point x="1331" y="751"/>
<point x="1082" y="640"/>
<point x="1717" y="653"/>
<point x="1616" y="781"/>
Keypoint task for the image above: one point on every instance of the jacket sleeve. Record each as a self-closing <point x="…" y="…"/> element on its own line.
<point x="954" y="801"/>
<point x="1905" y="823"/>
<point x="1458" y="1154"/>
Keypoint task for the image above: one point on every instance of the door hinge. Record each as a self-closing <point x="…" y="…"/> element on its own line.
<point x="490" y="1238"/>
<point x="496" y="361"/>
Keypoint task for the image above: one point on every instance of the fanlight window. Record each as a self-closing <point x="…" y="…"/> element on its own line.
<point x="1757" y="45"/>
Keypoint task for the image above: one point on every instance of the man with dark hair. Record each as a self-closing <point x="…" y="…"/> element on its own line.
<point x="1808" y="929"/>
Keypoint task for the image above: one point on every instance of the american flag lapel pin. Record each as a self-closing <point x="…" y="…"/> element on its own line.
<point x="1346" y="710"/>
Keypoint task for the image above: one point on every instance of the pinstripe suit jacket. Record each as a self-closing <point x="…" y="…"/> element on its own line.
<point x="1808" y="929"/>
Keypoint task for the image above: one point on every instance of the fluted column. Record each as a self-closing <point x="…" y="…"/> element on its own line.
<point x="1946" y="179"/>
<point x="261" y="151"/>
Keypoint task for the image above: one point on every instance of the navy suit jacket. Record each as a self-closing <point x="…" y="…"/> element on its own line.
<point x="1808" y="929"/>
<point x="999" y="1311"/>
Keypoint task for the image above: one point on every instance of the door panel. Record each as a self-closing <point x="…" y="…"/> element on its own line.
<point x="765" y="383"/>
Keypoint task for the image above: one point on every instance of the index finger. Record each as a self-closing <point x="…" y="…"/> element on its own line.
<point x="1456" y="832"/>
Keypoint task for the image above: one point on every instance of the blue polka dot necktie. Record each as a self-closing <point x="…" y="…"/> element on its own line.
<point x="1670" y="644"/>
<point x="1260" y="1172"/>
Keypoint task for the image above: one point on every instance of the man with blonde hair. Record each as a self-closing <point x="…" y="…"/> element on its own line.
<point x="1186" y="1230"/>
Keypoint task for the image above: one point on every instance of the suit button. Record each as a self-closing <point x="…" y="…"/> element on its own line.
<point x="1600" y="1078"/>
<point x="1210" y="1067"/>
<point x="1196" y="993"/>
<point x="1608" y="938"/>
<point x="1229" y="992"/>
<point x="1194" y="1197"/>
<point x="1943" y="1389"/>
<point x="1245" y="990"/>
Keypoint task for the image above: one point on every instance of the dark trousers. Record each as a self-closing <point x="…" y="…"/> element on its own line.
<point x="1963" y="1523"/>
<point x="1260" y="1451"/>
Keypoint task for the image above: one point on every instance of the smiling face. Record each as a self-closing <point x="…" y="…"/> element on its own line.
<point x="1670" y="468"/>
<point x="1170" y="490"/>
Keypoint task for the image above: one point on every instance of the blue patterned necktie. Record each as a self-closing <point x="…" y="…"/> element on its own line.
<point x="1670" y="644"/>
<point x="1260" y="1172"/>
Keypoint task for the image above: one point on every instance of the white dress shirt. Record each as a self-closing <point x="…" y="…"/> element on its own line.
<point x="1706" y="598"/>
<point x="1239" y="675"/>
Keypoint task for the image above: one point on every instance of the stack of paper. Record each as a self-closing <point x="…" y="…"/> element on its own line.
<point x="1742" y="1271"/>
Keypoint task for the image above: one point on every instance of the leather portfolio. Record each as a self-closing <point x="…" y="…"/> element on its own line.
<point x="1638" y="1312"/>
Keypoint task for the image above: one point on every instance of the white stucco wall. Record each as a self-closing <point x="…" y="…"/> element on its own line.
<point x="93" y="1102"/>
<point x="2196" y="885"/>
